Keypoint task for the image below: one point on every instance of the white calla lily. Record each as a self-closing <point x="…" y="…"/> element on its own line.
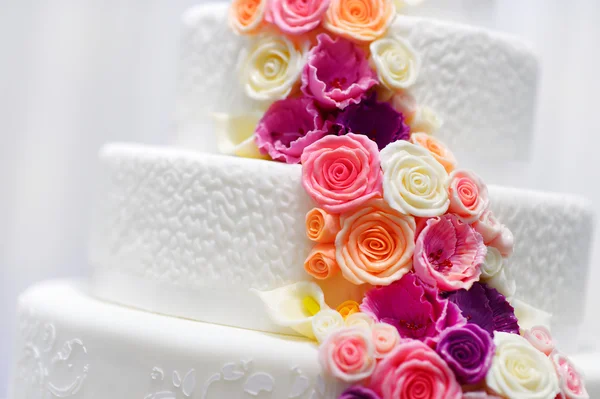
<point x="530" y="316"/>
<point x="295" y="306"/>
<point x="235" y="134"/>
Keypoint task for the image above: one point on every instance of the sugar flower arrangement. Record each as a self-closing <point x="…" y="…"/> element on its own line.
<point x="394" y="213"/>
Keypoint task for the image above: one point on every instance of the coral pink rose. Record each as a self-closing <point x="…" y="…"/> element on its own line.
<point x="540" y="338"/>
<point x="348" y="354"/>
<point x="571" y="383"/>
<point x="296" y="17"/>
<point x="246" y="16"/>
<point x="414" y="370"/>
<point x="321" y="226"/>
<point x="321" y="263"/>
<point x="385" y="338"/>
<point x="468" y="195"/>
<point x="341" y="172"/>
<point x="439" y="151"/>
<point x="359" y="20"/>
<point x="495" y="234"/>
<point x="448" y="254"/>
<point x="375" y="244"/>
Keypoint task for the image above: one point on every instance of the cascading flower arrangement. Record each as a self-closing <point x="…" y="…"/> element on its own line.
<point x="394" y="213"/>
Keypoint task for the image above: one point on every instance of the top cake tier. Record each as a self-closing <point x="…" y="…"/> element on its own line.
<point x="482" y="84"/>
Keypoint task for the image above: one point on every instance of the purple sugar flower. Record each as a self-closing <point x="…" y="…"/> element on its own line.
<point x="486" y="307"/>
<point x="416" y="310"/>
<point x="378" y="121"/>
<point x="337" y="73"/>
<point x="358" y="392"/>
<point x="288" y="127"/>
<point x="468" y="350"/>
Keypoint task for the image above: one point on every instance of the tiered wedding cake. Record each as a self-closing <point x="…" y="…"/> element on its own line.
<point x="365" y="263"/>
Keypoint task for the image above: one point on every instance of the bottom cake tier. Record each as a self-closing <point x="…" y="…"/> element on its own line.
<point x="71" y="345"/>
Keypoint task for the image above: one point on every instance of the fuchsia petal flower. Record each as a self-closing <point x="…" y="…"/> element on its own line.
<point x="414" y="370"/>
<point x="414" y="309"/>
<point x="296" y="17"/>
<point x="486" y="307"/>
<point x="337" y="73"/>
<point x="448" y="254"/>
<point x="288" y="127"/>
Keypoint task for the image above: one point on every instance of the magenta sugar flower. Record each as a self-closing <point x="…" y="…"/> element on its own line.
<point x="337" y="73"/>
<point x="288" y="127"/>
<point x="359" y="392"/>
<point x="468" y="350"/>
<point x="448" y="253"/>
<point x="378" y="121"/>
<point x="414" y="309"/>
<point x="486" y="307"/>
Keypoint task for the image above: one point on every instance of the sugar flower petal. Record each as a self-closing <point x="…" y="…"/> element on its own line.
<point x="416" y="310"/>
<point x="348" y="354"/>
<point x="448" y="254"/>
<point x="360" y="320"/>
<point x="359" y="392"/>
<point x="235" y="134"/>
<point x="396" y="61"/>
<point x="468" y="195"/>
<point x="288" y="127"/>
<point x="362" y="21"/>
<point x="296" y="17"/>
<point x="439" y="151"/>
<point x="530" y="316"/>
<point x="325" y="322"/>
<point x="540" y="338"/>
<point x="570" y="379"/>
<point x="425" y="120"/>
<point x="294" y="306"/>
<point x="376" y="120"/>
<point x="246" y="16"/>
<point x="337" y="73"/>
<point x="486" y="307"/>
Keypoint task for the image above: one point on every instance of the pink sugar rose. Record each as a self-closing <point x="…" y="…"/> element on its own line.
<point x="540" y="338"/>
<point x="468" y="195"/>
<point x="479" y="395"/>
<point x="571" y="383"/>
<point x="448" y="254"/>
<point x="385" y="338"/>
<point x="494" y="233"/>
<point x="337" y="73"/>
<point x="341" y="172"/>
<point x="348" y="354"/>
<point x="296" y="17"/>
<point x="414" y="370"/>
<point x="287" y="128"/>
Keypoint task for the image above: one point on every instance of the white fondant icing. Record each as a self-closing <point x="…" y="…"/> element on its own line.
<point x="182" y="229"/>
<point x="481" y="83"/>
<point x="109" y="351"/>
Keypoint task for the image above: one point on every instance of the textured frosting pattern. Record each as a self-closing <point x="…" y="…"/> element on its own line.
<point x="482" y="84"/>
<point x="69" y="345"/>
<point x="181" y="230"/>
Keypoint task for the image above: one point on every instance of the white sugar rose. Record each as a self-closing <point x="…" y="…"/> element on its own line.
<point x="495" y="274"/>
<point x="270" y="67"/>
<point x="425" y="120"/>
<point x="414" y="182"/>
<point x="325" y="322"/>
<point x="519" y="370"/>
<point x="530" y="316"/>
<point x="359" y="319"/>
<point x="396" y="61"/>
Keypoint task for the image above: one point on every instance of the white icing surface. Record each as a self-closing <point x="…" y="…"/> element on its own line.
<point x="482" y="84"/>
<point x="181" y="229"/>
<point x="70" y="345"/>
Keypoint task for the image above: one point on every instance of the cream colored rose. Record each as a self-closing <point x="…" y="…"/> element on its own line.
<point x="519" y="370"/>
<point x="495" y="274"/>
<point x="235" y="134"/>
<point x="396" y="62"/>
<point x="425" y="120"/>
<point x="325" y="322"/>
<point x="414" y="182"/>
<point x="270" y="67"/>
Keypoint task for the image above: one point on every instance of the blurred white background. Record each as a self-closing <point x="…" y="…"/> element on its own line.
<point x="75" y="74"/>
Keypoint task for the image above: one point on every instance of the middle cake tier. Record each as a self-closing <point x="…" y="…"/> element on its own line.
<point x="193" y="235"/>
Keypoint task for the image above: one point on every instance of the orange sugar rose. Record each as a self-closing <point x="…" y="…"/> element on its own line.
<point x="359" y="20"/>
<point x="246" y="16"/>
<point x="439" y="151"/>
<point x="321" y="262"/>
<point x="347" y="308"/>
<point x="321" y="226"/>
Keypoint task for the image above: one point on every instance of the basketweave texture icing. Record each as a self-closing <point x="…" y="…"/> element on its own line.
<point x="167" y="210"/>
<point x="115" y="352"/>
<point x="481" y="83"/>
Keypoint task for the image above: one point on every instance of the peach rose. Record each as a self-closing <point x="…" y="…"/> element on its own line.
<point x="321" y="226"/>
<point x="342" y="172"/>
<point x="347" y="308"/>
<point x="468" y="195"/>
<point x="439" y="151"/>
<point x="540" y="338"/>
<point x="321" y="262"/>
<point x="385" y="339"/>
<point x="375" y="244"/>
<point x="494" y="233"/>
<point x="360" y="20"/>
<point x="348" y="354"/>
<point x="246" y="16"/>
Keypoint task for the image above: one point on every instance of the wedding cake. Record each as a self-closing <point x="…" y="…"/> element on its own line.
<point x="314" y="233"/>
